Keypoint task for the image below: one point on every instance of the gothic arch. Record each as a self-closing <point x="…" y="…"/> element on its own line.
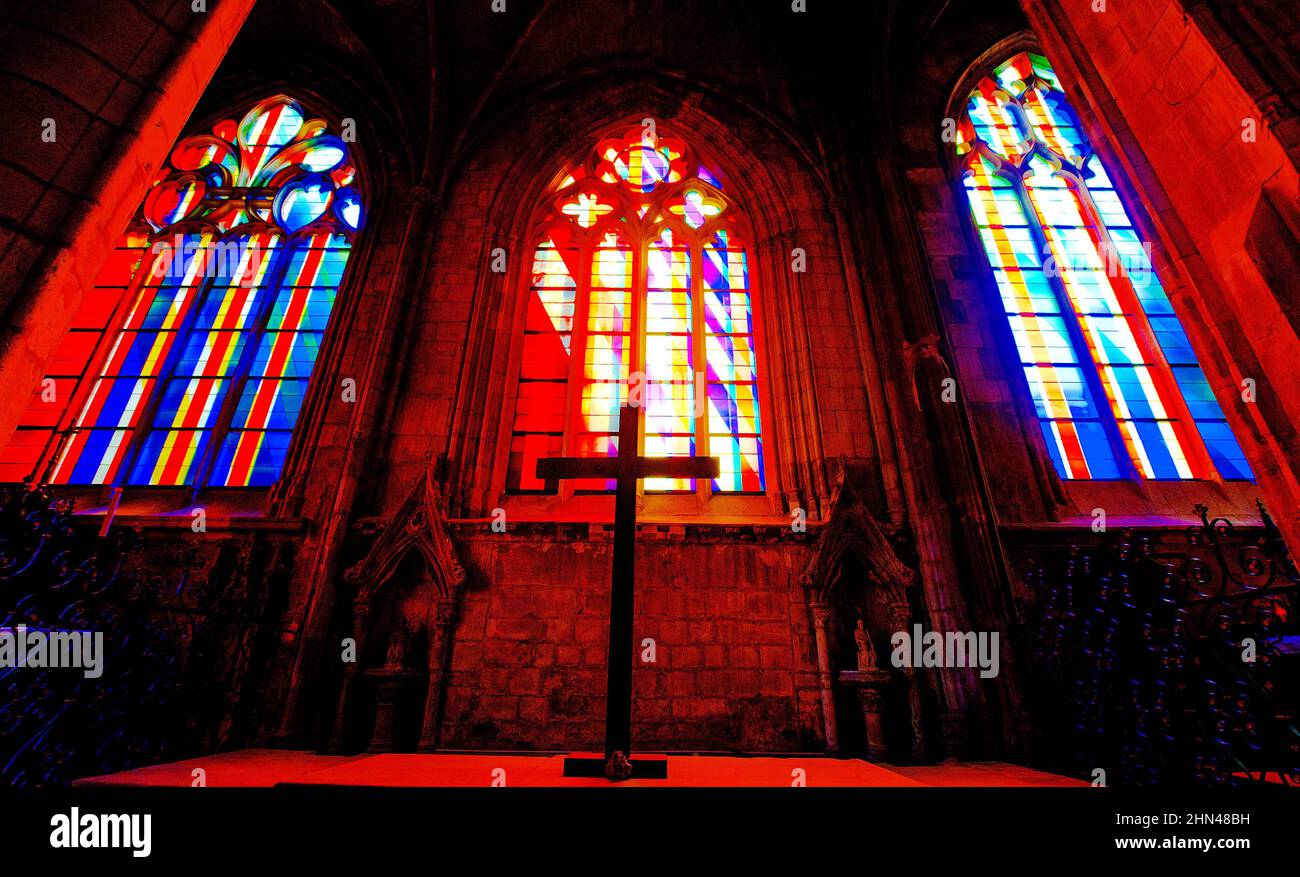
<point x="342" y="82"/>
<point x="852" y="533"/>
<point x="1226" y="302"/>
<point x="419" y="525"/>
<point x="796" y="473"/>
<point x="1005" y="418"/>
<point x="325" y="94"/>
<point x="418" y="528"/>
<point x="231" y="181"/>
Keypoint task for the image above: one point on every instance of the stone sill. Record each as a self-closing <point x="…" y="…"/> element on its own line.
<point x="183" y="520"/>
<point x="479" y="529"/>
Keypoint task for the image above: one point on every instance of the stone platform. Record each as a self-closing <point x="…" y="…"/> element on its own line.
<point x="263" y="768"/>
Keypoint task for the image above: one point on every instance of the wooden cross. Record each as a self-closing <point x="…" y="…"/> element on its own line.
<point x="625" y="469"/>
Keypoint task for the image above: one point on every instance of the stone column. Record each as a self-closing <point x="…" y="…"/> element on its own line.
<point x="873" y="715"/>
<point x="360" y="625"/>
<point x="900" y="617"/>
<point x="821" y="615"/>
<point x="439" y="652"/>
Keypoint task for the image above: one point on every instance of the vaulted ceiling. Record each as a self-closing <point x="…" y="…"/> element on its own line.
<point x="439" y="71"/>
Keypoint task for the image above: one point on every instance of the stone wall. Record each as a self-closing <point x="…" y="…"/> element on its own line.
<point x="734" y="662"/>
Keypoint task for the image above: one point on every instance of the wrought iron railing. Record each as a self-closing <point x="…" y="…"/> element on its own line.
<point x="180" y="624"/>
<point x="1160" y="663"/>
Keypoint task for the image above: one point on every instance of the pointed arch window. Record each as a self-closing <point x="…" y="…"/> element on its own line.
<point x="190" y="357"/>
<point x="1117" y="388"/>
<point x="639" y="279"/>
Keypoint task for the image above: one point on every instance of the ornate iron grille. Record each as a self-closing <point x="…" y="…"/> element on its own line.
<point x="182" y="622"/>
<point x="1169" y="664"/>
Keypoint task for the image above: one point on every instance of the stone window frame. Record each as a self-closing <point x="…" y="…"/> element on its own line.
<point x="163" y="503"/>
<point x="1079" y="498"/>
<point x="567" y="503"/>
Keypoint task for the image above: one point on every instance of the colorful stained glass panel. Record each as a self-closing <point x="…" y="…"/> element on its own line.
<point x="539" y="421"/>
<point x="1086" y="311"/>
<point x="209" y="322"/>
<point x="667" y="317"/>
<point x="733" y="425"/>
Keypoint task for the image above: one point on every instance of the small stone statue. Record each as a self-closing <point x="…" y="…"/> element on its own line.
<point x="866" y="653"/>
<point x="396" y="657"/>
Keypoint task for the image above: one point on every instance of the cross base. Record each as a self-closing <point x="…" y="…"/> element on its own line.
<point x="594" y="766"/>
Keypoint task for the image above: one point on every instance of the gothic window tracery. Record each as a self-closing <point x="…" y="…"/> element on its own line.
<point x="189" y="359"/>
<point x="640" y="283"/>
<point x="1117" y="388"/>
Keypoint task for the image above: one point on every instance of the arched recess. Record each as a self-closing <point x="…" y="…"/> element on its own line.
<point x="345" y="103"/>
<point x="1049" y="492"/>
<point x="852" y="532"/>
<point x="417" y="529"/>
<point x="861" y="591"/>
<point x="641" y="269"/>
<point x="347" y="89"/>
<point x="419" y="525"/>
<point x="1205" y="158"/>
<point x="486" y="390"/>
<point x="334" y="71"/>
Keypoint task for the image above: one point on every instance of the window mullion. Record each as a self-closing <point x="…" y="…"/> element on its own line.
<point x="699" y="357"/>
<point x="1140" y="324"/>
<point x="272" y="286"/>
<point x="145" y="424"/>
<point x="578" y="337"/>
<point x="1088" y="364"/>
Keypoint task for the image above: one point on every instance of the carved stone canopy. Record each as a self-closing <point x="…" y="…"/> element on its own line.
<point x="420" y="524"/>
<point x="852" y="532"/>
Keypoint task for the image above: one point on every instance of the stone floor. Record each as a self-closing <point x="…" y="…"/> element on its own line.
<point x="270" y="767"/>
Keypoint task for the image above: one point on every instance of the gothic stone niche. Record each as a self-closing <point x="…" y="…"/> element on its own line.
<point x="866" y="687"/>
<point x="861" y="593"/>
<point x="387" y="710"/>
<point x="401" y="620"/>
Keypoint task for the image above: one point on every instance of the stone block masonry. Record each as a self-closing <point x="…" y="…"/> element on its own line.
<point x="733" y="666"/>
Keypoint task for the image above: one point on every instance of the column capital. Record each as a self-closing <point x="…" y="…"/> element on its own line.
<point x="821" y="613"/>
<point x="900" y="615"/>
<point x="444" y="612"/>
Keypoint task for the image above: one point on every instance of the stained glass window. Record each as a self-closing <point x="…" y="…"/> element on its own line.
<point x="1117" y="388"/>
<point x="639" y="284"/>
<point x="190" y="358"/>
